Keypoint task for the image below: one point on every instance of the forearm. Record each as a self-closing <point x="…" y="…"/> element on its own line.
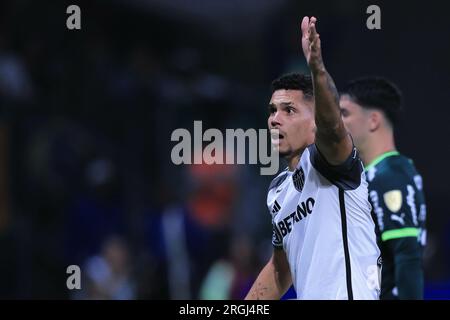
<point x="330" y="126"/>
<point x="331" y="136"/>
<point x="271" y="284"/>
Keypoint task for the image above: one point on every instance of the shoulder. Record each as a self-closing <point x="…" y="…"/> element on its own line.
<point x="278" y="180"/>
<point x="394" y="172"/>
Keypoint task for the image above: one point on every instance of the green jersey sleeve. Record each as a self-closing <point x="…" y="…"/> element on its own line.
<point x="396" y="203"/>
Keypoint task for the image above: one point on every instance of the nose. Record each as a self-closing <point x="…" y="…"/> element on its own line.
<point x="344" y="119"/>
<point x="346" y="122"/>
<point x="275" y="120"/>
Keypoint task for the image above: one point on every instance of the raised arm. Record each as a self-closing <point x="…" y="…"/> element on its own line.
<point x="274" y="279"/>
<point x="332" y="138"/>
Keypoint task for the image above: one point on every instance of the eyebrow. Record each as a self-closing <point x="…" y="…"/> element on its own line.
<point x="283" y="104"/>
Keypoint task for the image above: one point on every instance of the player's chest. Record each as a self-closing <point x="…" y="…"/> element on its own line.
<point x="294" y="200"/>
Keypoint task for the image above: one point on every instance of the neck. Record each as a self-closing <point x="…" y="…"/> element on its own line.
<point x="293" y="161"/>
<point x="379" y="145"/>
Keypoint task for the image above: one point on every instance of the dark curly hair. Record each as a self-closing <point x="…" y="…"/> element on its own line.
<point x="378" y="93"/>
<point x="294" y="81"/>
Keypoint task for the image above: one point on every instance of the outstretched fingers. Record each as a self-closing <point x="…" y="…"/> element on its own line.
<point x="305" y="27"/>
<point x="312" y="29"/>
<point x="314" y="37"/>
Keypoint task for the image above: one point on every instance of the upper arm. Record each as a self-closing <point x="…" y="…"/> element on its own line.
<point x="398" y="205"/>
<point x="279" y="260"/>
<point x="281" y="266"/>
<point x="334" y="143"/>
<point x="331" y="135"/>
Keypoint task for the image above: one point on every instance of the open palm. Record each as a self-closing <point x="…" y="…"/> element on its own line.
<point x="311" y="44"/>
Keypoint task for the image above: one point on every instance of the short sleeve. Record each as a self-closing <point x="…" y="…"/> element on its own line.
<point x="397" y="203"/>
<point x="346" y="176"/>
<point x="277" y="239"/>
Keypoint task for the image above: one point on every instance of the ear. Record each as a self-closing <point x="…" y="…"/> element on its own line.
<point x="375" y="119"/>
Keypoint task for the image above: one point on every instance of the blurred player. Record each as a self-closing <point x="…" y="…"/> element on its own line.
<point x="323" y="234"/>
<point x="370" y="108"/>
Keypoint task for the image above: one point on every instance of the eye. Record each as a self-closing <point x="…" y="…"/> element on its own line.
<point x="272" y="110"/>
<point x="344" y="113"/>
<point x="290" y="110"/>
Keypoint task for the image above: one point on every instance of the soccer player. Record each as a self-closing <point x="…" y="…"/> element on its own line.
<point x="323" y="234"/>
<point x="370" y="108"/>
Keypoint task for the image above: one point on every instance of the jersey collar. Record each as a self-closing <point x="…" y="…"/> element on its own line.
<point x="380" y="158"/>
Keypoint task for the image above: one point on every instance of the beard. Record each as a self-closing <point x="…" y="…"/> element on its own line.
<point x="285" y="154"/>
<point x="281" y="153"/>
<point x="288" y="153"/>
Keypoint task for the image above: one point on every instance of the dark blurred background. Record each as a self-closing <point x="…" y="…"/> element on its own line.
<point x="86" y="118"/>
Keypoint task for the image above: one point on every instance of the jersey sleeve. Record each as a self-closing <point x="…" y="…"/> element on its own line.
<point x="277" y="239"/>
<point x="394" y="200"/>
<point x="409" y="274"/>
<point x="346" y="176"/>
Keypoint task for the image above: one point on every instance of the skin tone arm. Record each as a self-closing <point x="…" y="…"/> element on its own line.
<point x="332" y="138"/>
<point x="274" y="279"/>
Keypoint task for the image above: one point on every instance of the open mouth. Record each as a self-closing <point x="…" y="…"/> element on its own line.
<point x="276" y="136"/>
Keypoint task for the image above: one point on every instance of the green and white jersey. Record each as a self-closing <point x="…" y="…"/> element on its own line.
<point x="398" y="202"/>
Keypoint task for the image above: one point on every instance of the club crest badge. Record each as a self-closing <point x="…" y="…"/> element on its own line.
<point x="299" y="179"/>
<point x="393" y="200"/>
